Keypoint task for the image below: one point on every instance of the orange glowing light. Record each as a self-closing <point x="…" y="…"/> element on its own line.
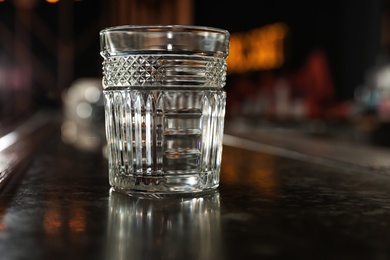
<point x="258" y="49"/>
<point x="52" y="1"/>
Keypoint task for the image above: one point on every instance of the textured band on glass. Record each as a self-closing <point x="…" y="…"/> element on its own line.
<point x="167" y="70"/>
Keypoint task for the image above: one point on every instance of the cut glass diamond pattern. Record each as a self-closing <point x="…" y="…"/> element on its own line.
<point x="139" y="70"/>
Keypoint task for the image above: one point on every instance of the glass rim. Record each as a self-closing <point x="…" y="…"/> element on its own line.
<point x="164" y="39"/>
<point x="165" y="28"/>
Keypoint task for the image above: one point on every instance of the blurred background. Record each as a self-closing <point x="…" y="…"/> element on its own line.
<point x="319" y="67"/>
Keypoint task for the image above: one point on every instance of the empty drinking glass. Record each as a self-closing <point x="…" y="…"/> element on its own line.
<point x="164" y="107"/>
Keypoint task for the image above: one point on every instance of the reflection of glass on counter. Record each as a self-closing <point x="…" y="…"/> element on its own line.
<point x="171" y="228"/>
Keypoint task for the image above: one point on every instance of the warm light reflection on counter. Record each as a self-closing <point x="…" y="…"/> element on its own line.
<point x="2" y="224"/>
<point x="257" y="169"/>
<point x="52" y="221"/>
<point x="58" y="220"/>
<point x="77" y="220"/>
<point x="259" y="49"/>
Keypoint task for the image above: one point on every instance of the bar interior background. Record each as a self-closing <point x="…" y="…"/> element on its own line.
<point x="291" y="62"/>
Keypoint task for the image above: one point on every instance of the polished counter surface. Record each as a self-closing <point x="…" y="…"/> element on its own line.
<point x="276" y="204"/>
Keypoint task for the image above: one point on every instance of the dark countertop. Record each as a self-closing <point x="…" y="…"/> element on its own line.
<point x="269" y="206"/>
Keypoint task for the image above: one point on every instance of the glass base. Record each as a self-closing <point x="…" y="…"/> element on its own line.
<point x="159" y="195"/>
<point x="153" y="186"/>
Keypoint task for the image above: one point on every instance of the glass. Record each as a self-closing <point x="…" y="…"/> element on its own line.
<point x="164" y="107"/>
